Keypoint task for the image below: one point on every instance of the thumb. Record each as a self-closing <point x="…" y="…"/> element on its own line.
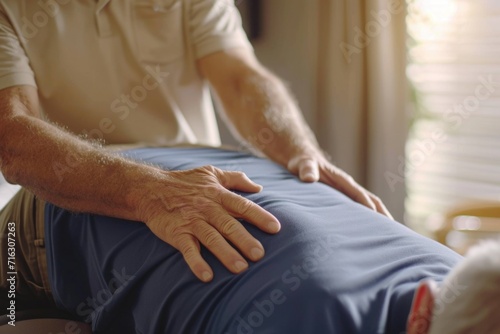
<point x="238" y="181"/>
<point x="308" y="170"/>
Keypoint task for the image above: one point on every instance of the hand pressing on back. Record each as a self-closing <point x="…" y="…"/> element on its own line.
<point x="196" y="207"/>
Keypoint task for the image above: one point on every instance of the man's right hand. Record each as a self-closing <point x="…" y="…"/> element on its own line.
<point x="195" y="206"/>
<point x="182" y="208"/>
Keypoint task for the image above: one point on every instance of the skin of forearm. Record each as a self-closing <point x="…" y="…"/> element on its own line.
<point x="69" y="172"/>
<point x="266" y="116"/>
<point x="185" y="209"/>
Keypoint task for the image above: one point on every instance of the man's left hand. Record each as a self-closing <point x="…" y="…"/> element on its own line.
<point x="315" y="167"/>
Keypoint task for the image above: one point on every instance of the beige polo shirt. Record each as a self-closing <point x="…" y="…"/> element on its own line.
<point x="119" y="70"/>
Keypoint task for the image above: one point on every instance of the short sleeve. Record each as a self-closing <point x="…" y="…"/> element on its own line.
<point x="14" y="64"/>
<point x="216" y="25"/>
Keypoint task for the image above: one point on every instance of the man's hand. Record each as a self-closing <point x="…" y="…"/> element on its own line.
<point x="195" y="206"/>
<point x="255" y="100"/>
<point x="315" y="167"/>
<point x="183" y="208"/>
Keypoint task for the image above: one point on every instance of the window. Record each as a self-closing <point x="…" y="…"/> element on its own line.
<point x="453" y="154"/>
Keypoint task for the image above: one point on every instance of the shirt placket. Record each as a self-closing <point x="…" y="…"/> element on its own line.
<point x="102" y="18"/>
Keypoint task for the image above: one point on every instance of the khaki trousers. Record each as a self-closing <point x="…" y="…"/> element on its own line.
<point x="23" y="262"/>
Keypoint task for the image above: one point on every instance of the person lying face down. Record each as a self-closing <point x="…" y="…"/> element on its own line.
<point x="466" y="302"/>
<point x="138" y="71"/>
<point x="335" y="266"/>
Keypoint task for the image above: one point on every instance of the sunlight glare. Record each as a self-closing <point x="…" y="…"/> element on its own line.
<point x="429" y="19"/>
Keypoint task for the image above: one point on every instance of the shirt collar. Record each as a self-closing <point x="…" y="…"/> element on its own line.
<point x="101" y="4"/>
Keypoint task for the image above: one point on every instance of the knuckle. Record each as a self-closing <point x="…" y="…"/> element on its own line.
<point x="179" y="233"/>
<point x="376" y="199"/>
<point x="191" y="214"/>
<point x="243" y="206"/>
<point x="210" y="169"/>
<point x="206" y="173"/>
<point x="348" y="178"/>
<point x="228" y="227"/>
<point x="240" y="174"/>
<point x="361" y="194"/>
<point x="186" y="248"/>
<point x="215" y="176"/>
<point x="214" y="193"/>
<point x="357" y="197"/>
<point x="200" y="203"/>
<point x="211" y="238"/>
<point x="341" y="174"/>
<point x="224" y="177"/>
<point x="211" y="190"/>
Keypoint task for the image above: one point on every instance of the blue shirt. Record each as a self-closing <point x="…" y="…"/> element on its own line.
<point x="335" y="266"/>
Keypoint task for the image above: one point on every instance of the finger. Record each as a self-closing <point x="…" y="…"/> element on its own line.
<point x="237" y="181"/>
<point x="294" y="163"/>
<point x="235" y="232"/>
<point x="190" y="250"/>
<point x="218" y="246"/>
<point x="343" y="182"/>
<point x="241" y="207"/>
<point x="308" y="170"/>
<point x="381" y="208"/>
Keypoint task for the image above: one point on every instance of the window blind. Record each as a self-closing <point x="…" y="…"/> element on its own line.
<point x="453" y="153"/>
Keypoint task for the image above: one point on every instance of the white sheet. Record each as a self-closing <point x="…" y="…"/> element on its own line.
<point x="7" y="191"/>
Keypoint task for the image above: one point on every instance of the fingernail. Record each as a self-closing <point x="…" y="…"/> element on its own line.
<point x="309" y="176"/>
<point x="206" y="276"/>
<point x="240" y="265"/>
<point x="273" y="226"/>
<point x="257" y="253"/>
<point x="259" y="186"/>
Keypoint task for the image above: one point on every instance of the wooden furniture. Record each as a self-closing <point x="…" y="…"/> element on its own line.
<point x="467" y="225"/>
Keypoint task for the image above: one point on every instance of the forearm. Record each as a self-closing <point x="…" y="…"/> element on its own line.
<point x="60" y="168"/>
<point x="183" y="208"/>
<point x="267" y="117"/>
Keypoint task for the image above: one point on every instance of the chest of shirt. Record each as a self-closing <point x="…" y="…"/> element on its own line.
<point x="148" y="31"/>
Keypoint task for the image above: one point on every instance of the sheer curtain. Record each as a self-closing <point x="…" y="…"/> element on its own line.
<point x="453" y="156"/>
<point x="362" y="92"/>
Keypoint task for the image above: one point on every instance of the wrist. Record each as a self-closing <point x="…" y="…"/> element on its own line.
<point x="143" y="193"/>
